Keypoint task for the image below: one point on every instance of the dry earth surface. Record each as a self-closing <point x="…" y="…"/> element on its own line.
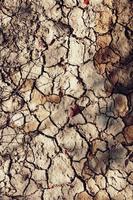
<point x="66" y="100"/>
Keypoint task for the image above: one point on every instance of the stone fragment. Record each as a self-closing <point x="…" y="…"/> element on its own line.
<point x="74" y="145"/>
<point x="128" y="133"/>
<point x="118" y="155"/>
<point x="101" y="182"/>
<point x="98" y="144"/>
<point x="103" y="40"/>
<point x="117" y="179"/>
<point x="99" y="162"/>
<point x="102" y="195"/>
<point x="115" y="126"/>
<point x="74" y="188"/>
<point x="41" y="154"/>
<point x="31" y="123"/>
<point x="103" y="21"/>
<point x="32" y="188"/>
<point x="40" y="177"/>
<point x="76" y="52"/>
<point x="120" y="41"/>
<point x="92" y="187"/>
<point x="121" y="105"/>
<point x="78" y="166"/>
<point x="104" y="57"/>
<point x="41" y="113"/>
<point x="60" y="171"/>
<point x="83" y="196"/>
<point x="53" y="193"/>
<point x="89" y="130"/>
<point x="72" y="85"/>
<point x="101" y="122"/>
<point x="48" y="128"/>
<point x="17" y="120"/>
<point x="36" y="99"/>
<point x="76" y="21"/>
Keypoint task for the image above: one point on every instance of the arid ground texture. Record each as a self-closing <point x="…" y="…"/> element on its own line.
<point x="66" y="100"/>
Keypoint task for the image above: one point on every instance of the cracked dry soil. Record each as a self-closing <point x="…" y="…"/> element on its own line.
<point x="66" y="100"/>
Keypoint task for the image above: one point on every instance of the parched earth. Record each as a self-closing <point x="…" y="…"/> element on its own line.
<point x="66" y="100"/>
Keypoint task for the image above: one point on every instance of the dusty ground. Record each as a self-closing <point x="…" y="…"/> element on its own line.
<point x="66" y="100"/>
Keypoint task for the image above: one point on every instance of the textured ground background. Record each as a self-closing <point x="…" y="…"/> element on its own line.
<point x="66" y="100"/>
